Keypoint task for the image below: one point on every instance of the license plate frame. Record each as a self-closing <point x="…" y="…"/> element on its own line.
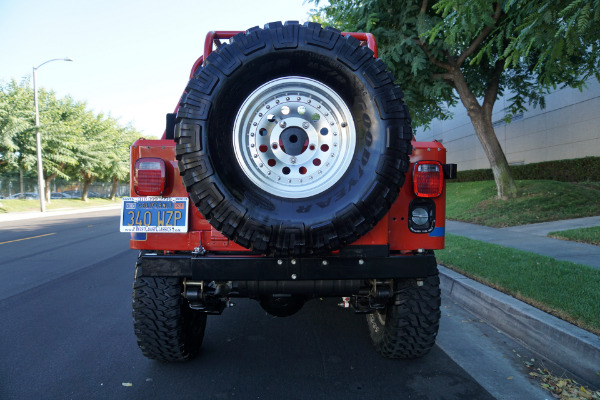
<point x="154" y="214"/>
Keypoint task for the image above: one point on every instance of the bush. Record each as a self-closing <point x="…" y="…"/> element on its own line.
<point x="585" y="169"/>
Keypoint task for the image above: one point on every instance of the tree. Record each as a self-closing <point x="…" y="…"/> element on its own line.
<point x="61" y="122"/>
<point x="91" y="151"/>
<point x="76" y="143"/>
<point x="473" y="51"/>
<point x="103" y="152"/>
<point x="59" y="127"/>
<point x="16" y="129"/>
<point x="118" y="161"/>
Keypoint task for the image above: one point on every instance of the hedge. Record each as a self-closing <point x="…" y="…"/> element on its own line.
<point x="585" y="169"/>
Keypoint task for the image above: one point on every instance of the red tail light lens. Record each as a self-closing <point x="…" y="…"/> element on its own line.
<point x="428" y="178"/>
<point x="149" y="177"/>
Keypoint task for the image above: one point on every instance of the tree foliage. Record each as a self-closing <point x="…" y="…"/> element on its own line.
<point x="16" y="125"/>
<point x="473" y="51"/>
<point x="76" y="143"/>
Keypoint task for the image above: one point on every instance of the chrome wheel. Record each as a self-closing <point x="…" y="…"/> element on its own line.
<point x="294" y="137"/>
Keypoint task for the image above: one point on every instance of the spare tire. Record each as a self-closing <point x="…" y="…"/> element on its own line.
<point x="293" y="139"/>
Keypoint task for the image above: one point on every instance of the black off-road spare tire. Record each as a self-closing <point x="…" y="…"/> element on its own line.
<point x="293" y="139"/>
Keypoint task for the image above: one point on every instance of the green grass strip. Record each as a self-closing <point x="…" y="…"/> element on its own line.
<point x="567" y="290"/>
<point x="538" y="201"/>
<point x="583" y="235"/>
<point x="18" y="205"/>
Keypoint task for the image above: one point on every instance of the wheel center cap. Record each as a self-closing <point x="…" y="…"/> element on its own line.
<point x="293" y="140"/>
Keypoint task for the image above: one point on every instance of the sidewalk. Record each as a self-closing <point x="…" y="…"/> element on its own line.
<point x="533" y="238"/>
<point x="573" y="348"/>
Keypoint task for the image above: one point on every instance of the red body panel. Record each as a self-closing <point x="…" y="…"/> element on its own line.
<point x="392" y="229"/>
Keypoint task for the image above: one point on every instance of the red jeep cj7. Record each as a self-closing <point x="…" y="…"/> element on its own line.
<point x="278" y="179"/>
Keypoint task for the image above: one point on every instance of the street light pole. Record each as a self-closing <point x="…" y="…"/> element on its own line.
<point x="38" y="138"/>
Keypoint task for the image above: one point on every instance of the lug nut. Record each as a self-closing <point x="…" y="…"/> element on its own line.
<point x="282" y="124"/>
<point x="305" y="125"/>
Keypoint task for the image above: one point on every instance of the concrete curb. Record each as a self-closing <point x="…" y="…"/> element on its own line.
<point x="573" y="348"/>
<point x="36" y="214"/>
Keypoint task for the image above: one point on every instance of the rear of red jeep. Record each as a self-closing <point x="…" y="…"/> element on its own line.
<point x="278" y="179"/>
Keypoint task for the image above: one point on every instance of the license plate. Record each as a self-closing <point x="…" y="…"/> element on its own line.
<point x="154" y="214"/>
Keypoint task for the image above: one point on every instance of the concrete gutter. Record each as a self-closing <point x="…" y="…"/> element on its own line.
<point x="573" y="348"/>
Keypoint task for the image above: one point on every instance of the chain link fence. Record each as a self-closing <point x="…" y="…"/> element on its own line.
<point x="27" y="188"/>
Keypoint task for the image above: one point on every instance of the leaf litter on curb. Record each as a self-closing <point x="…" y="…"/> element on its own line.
<point x="561" y="387"/>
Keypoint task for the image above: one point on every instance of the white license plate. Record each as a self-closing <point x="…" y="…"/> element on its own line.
<point x="154" y="214"/>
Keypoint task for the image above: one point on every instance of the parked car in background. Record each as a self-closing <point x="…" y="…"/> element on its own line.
<point x="60" y="195"/>
<point x="76" y="194"/>
<point x="73" y="193"/>
<point x="26" y="196"/>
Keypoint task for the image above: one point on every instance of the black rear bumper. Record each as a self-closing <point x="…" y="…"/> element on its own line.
<point x="344" y="266"/>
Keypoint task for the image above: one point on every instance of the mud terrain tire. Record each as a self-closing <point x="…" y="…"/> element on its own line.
<point x="409" y="324"/>
<point x="167" y="329"/>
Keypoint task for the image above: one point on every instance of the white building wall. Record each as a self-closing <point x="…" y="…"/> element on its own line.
<point x="569" y="127"/>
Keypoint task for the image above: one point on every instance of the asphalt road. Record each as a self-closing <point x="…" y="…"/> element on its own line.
<point x="66" y="333"/>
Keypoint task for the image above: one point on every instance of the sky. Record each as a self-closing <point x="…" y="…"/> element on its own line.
<point x="131" y="58"/>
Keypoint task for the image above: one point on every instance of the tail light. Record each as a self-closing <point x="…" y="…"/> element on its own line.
<point x="149" y="177"/>
<point x="428" y="178"/>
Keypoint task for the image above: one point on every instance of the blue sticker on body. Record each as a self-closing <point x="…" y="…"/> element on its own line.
<point x="438" y="232"/>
